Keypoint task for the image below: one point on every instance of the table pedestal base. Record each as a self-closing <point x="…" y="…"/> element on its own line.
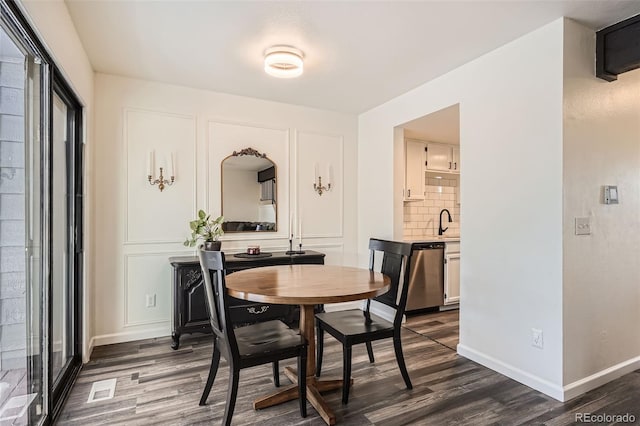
<point x="314" y="387"/>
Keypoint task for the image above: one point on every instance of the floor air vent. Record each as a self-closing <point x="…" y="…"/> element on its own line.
<point x="104" y="389"/>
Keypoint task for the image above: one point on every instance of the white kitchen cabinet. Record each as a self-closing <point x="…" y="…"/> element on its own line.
<point x="439" y="157"/>
<point x="443" y="158"/>
<point x="455" y="150"/>
<point x="414" y="170"/>
<point x="452" y="273"/>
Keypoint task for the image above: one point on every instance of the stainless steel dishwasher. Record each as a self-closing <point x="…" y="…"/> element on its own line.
<point x="426" y="276"/>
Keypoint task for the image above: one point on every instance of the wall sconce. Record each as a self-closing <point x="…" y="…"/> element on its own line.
<point x="318" y="187"/>
<point x="160" y="181"/>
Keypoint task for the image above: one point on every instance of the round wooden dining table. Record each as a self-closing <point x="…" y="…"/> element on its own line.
<point x="307" y="286"/>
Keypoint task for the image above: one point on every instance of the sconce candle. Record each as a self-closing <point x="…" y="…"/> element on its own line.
<point x="161" y="181"/>
<point x="171" y="170"/>
<point x="150" y="163"/>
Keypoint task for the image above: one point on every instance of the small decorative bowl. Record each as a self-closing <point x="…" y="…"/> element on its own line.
<point x="253" y="250"/>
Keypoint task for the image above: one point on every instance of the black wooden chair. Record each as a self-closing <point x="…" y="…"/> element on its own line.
<point x="356" y="326"/>
<point x="247" y="346"/>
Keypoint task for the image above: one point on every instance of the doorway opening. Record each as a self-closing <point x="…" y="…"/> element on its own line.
<point x="429" y="164"/>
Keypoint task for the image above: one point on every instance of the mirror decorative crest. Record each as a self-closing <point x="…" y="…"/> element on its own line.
<point x="249" y="192"/>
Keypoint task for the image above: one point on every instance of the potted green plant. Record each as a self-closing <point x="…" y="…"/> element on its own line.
<point x="206" y="229"/>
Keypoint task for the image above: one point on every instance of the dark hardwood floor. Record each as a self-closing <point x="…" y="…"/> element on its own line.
<point x="442" y="327"/>
<point x="159" y="386"/>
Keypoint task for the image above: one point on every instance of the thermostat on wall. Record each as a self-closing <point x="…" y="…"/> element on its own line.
<point x="610" y="194"/>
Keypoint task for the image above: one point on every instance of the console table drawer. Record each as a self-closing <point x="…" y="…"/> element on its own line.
<point x="247" y="313"/>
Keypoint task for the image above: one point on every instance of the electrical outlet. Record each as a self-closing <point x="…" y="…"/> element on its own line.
<point x="151" y="300"/>
<point x="536" y="338"/>
<point x="583" y="226"/>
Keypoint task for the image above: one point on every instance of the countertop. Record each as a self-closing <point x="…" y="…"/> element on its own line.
<point x="435" y="239"/>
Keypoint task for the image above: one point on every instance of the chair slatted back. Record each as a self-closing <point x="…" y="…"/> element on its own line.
<point x="213" y="272"/>
<point x="395" y="264"/>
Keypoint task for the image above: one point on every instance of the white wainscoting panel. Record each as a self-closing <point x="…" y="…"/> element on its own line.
<point x="223" y="140"/>
<point x="333" y="252"/>
<point x="322" y="215"/>
<point x="335" y="256"/>
<point x="154" y="216"/>
<point x="147" y="274"/>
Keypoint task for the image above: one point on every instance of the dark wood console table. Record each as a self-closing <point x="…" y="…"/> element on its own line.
<point x="189" y="308"/>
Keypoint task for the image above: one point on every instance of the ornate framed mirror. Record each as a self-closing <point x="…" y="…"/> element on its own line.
<point x="249" y="192"/>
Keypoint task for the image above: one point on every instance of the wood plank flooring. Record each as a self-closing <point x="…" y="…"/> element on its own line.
<point x="159" y="386"/>
<point x="442" y="327"/>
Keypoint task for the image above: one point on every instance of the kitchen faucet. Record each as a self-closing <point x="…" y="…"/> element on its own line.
<point x="440" y="230"/>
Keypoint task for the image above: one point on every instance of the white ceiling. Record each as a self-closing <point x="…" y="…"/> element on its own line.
<point x="358" y="54"/>
<point x="441" y="126"/>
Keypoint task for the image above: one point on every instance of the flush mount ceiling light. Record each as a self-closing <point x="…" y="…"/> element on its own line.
<point x="283" y="61"/>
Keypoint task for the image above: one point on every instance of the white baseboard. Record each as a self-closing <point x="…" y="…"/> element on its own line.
<point x="128" y="336"/>
<point x="600" y="378"/>
<point x="449" y="307"/>
<point x="383" y="311"/>
<point x="546" y="387"/>
<point x="344" y="306"/>
<point x="562" y="394"/>
<point x="86" y="355"/>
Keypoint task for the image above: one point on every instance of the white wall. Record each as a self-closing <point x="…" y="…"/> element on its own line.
<point x="601" y="271"/>
<point x="511" y="146"/>
<point x="52" y="23"/>
<point x="139" y="227"/>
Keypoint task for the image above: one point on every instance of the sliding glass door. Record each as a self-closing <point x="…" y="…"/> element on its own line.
<point x="66" y="257"/>
<point x="22" y="354"/>
<point x="40" y="228"/>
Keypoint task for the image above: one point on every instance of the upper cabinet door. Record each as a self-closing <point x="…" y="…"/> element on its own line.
<point x="439" y="157"/>
<point x="414" y="170"/>
<point x="456" y="158"/>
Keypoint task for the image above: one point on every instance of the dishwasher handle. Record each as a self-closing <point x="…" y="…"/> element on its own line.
<point x="428" y="246"/>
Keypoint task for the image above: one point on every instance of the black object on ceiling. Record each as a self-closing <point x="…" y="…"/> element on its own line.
<point x="618" y="49"/>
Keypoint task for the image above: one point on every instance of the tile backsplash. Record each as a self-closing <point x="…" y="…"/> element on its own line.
<point x="421" y="217"/>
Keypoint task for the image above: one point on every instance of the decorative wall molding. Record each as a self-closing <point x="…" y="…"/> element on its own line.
<point x="337" y="186"/>
<point x="279" y="153"/>
<point x="128" y="179"/>
<point x="207" y="142"/>
<point x="119" y="314"/>
<point x="125" y="280"/>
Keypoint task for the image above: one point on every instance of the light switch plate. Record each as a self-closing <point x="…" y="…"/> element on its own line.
<point x="610" y="194"/>
<point x="583" y="225"/>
